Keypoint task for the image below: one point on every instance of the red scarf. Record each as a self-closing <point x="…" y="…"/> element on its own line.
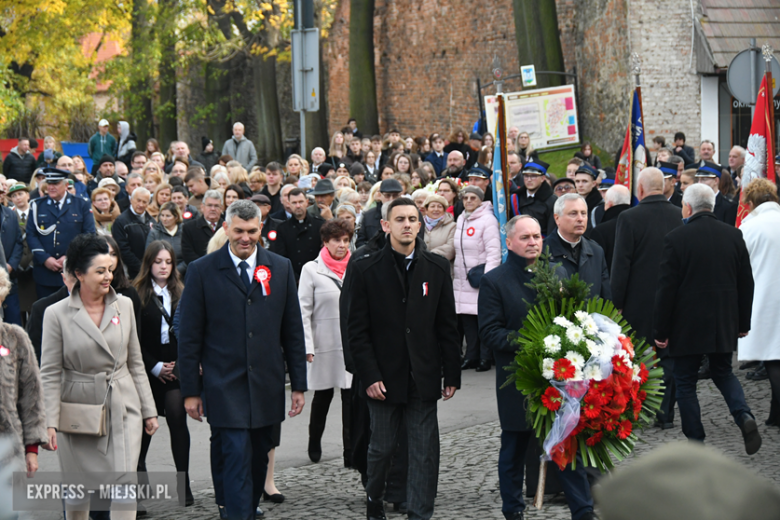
<point x="337" y="266"/>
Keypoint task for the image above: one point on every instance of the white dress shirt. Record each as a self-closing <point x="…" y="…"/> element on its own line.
<point x="164" y="334"/>
<point x="251" y="261"/>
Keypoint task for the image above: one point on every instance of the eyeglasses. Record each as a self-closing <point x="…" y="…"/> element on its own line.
<point x="564" y="188"/>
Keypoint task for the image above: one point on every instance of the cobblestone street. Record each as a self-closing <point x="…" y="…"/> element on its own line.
<point x="468" y="480"/>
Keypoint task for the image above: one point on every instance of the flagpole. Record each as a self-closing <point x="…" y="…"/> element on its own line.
<point x="498" y="73"/>
<point x="636" y="69"/>
<point x="771" y="151"/>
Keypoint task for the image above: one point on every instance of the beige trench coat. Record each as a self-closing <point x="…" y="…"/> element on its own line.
<point x="76" y="364"/>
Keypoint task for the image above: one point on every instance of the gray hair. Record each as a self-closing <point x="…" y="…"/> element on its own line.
<point x="135" y="176"/>
<point x="287" y="188"/>
<point x="220" y="175"/>
<point x="346" y="207"/>
<point x="5" y="284"/>
<point x="141" y="191"/>
<point x="420" y="193"/>
<point x="213" y="194"/>
<point x="238" y="124"/>
<point x="618" y="195"/>
<point x="675" y="159"/>
<point x="509" y="227"/>
<point x="699" y="197"/>
<point x="243" y="209"/>
<point x="384" y="211"/>
<point x="741" y="151"/>
<point x="562" y="200"/>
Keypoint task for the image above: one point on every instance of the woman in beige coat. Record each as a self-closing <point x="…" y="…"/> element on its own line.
<point x="84" y="337"/>
<point x="319" y="290"/>
<point x="439" y="227"/>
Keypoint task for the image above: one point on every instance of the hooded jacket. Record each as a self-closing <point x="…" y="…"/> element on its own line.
<point x="126" y="147"/>
<point x="242" y="151"/>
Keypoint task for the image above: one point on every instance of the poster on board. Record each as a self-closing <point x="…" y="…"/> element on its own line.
<point x="549" y="115"/>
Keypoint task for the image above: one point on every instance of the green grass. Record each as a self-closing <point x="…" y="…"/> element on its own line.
<point x="558" y="159"/>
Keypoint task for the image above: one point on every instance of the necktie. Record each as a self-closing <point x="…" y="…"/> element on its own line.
<point x="408" y="263"/>
<point x="244" y="276"/>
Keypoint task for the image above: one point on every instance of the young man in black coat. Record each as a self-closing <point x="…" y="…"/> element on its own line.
<point x="401" y="345"/>
<point x="535" y="197"/>
<point x="503" y="294"/>
<point x="635" y="263"/>
<point x="725" y="210"/>
<point x="569" y="247"/>
<point x="703" y="305"/>
<point x="196" y="233"/>
<point x="616" y="201"/>
<point x="298" y="238"/>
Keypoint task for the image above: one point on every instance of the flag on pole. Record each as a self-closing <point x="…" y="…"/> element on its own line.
<point x="633" y="156"/>
<point x="623" y="170"/>
<point x="759" y="159"/>
<point x="499" y="197"/>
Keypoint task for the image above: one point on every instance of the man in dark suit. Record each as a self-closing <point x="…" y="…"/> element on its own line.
<point x="616" y="201"/>
<point x="401" y="345"/>
<point x="576" y="253"/>
<point x="195" y="234"/>
<point x="298" y="238"/>
<point x="241" y="321"/>
<point x="35" y="323"/>
<point x="389" y="190"/>
<point x="702" y="305"/>
<point x="13" y="246"/>
<point x="709" y="173"/>
<point x="131" y="229"/>
<point x="638" y="246"/>
<point x="503" y="294"/>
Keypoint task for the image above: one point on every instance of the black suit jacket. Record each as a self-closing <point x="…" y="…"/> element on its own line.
<point x="402" y="333"/>
<point x="725" y="210"/>
<point x="705" y="288"/>
<point x="676" y="198"/>
<point x="540" y="206"/>
<point x="638" y="247"/>
<point x="604" y="233"/>
<point x="242" y="339"/>
<point x="300" y="242"/>
<point x="130" y="235"/>
<point x="592" y="266"/>
<point x="35" y="323"/>
<point x="370" y="225"/>
<point x="154" y="351"/>
<point x="195" y="236"/>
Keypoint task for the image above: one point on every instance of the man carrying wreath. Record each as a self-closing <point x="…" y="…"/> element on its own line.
<point x="241" y="322"/>
<point x="502" y="308"/>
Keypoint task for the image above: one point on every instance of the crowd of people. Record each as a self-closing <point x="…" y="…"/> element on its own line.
<point x="158" y="284"/>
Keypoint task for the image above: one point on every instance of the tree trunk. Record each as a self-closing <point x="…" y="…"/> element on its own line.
<point x="317" y="122"/>
<point x="140" y="95"/>
<point x="362" y="81"/>
<point x="217" y="93"/>
<point x="269" y="139"/>
<point x="166" y="111"/>
<point x="538" y="39"/>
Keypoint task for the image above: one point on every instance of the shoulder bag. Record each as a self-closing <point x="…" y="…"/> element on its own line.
<point x="473" y="275"/>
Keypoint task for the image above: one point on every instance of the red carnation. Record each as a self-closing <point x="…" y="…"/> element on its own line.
<point x="624" y="429"/>
<point x="563" y="369"/>
<point x="551" y="399"/>
<point x="593" y="440"/>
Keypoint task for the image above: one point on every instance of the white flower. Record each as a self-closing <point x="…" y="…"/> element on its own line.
<point x="636" y="374"/>
<point x="607" y="339"/>
<point x="581" y="316"/>
<point x="592" y="372"/>
<point x="577" y="375"/>
<point x="594" y="349"/>
<point x="576" y="359"/>
<point x="547" y="368"/>
<point x="575" y="335"/>
<point x="563" y="322"/>
<point x="590" y="327"/>
<point x="552" y="344"/>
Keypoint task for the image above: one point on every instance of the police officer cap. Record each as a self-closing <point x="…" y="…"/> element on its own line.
<point x="588" y="169"/>
<point x="710" y="169"/>
<point x="478" y="172"/>
<point x="535" y="166"/>
<point x="55" y="175"/>
<point x="390" y="186"/>
<point x="606" y="184"/>
<point x="668" y="169"/>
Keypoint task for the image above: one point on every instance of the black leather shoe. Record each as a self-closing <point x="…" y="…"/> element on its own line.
<point x="469" y="364"/>
<point x="514" y="516"/>
<point x="748" y="364"/>
<point x="276" y="498"/>
<point x="759" y="374"/>
<point x="400" y="507"/>
<point x="664" y="425"/>
<point x="315" y="449"/>
<point x="590" y="515"/>
<point x="375" y="509"/>
<point x="259" y="513"/>
<point x="222" y="513"/>
<point x="750" y="434"/>
<point x="484" y="366"/>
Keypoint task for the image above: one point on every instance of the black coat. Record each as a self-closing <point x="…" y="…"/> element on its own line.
<point x="402" y="332"/>
<point x="676" y="198"/>
<point x="638" y="246"/>
<point x="604" y="233"/>
<point x="705" y="288"/>
<point x="502" y="308"/>
<point x="130" y="235"/>
<point x="593" y="199"/>
<point x="540" y="206"/>
<point x="592" y="266"/>
<point x="242" y="339"/>
<point x="19" y="167"/>
<point x="725" y="210"/>
<point x="154" y="351"/>
<point x="269" y="225"/>
<point x="195" y="236"/>
<point x="35" y="323"/>
<point x="300" y="242"/>
<point x="370" y="225"/>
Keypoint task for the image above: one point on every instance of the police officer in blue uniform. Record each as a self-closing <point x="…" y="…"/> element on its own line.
<point x="53" y="222"/>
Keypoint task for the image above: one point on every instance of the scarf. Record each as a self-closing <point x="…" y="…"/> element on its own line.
<point x="337" y="266"/>
<point x="109" y="217"/>
<point x="431" y="223"/>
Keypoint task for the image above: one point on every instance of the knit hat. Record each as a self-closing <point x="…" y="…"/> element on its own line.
<point x="436" y="198"/>
<point x="106" y="158"/>
<point x="205" y="141"/>
<point x="356" y="169"/>
<point x="474" y="190"/>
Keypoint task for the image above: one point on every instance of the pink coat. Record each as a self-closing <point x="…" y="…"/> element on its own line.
<point x="477" y="241"/>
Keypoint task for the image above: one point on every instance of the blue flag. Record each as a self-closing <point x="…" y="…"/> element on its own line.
<point x="499" y="198"/>
<point x="638" y="148"/>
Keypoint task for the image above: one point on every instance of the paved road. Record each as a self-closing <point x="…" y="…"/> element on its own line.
<point x="468" y="482"/>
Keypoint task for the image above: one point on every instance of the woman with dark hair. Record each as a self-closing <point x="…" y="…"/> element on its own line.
<point x="318" y="292"/>
<point x="727" y="187"/>
<point x="403" y="164"/>
<point x="457" y="142"/>
<point x="159" y="289"/>
<point x="587" y="155"/>
<point x="232" y="193"/>
<point x="91" y="356"/>
<point x="121" y="283"/>
<point x="168" y="228"/>
<point x="488" y="140"/>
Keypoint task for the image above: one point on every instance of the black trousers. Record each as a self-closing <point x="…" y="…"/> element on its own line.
<point x="475" y="350"/>
<point x="666" y="413"/>
<point x="422" y="427"/>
